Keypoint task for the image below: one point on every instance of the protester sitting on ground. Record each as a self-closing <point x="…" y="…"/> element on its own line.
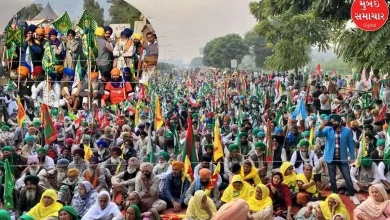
<point x="202" y="183"/>
<point x="367" y="174"/>
<point x="309" y="188"/>
<point x="289" y="177"/>
<point x="67" y="213"/>
<point x="103" y="209"/>
<point x="376" y="206"/>
<point x="30" y="195"/>
<point x="260" y="204"/>
<point x="249" y="173"/>
<point x="132" y="213"/>
<point x="200" y="207"/>
<point x="280" y="195"/>
<point x="235" y="209"/>
<point x="85" y="198"/>
<point x="238" y="188"/>
<point x="47" y="207"/>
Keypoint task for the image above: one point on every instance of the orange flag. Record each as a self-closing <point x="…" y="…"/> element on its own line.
<point x="158" y="119"/>
<point x="21" y="113"/>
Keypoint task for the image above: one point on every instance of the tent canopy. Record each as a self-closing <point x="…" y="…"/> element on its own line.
<point x="47" y="13"/>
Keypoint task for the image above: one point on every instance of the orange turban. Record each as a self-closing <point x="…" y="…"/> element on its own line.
<point x="94" y="75"/>
<point x="115" y="72"/>
<point x="59" y="69"/>
<point x="204" y="173"/>
<point x="47" y="30"/>
<point x="355" y="123"/>
<point x="23" y="71"/>
<point x="73" y="172"/>
<point x="178" y="165"/>
<point x="40" y="31"/>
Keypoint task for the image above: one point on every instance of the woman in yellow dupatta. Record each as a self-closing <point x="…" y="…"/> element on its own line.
<point x="200" y="207"/>
<point x="289" y="175"/>
<point x="249" y="173"/>
<point x="308" y="188"/>
<point x="237" y="188"/>
<point x="47" y="207"/>
<point x="260" y="204"/>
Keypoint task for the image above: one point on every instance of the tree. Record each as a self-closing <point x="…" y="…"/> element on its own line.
<point x="196" y="62"/>
<point x="257" y="48"/>
<point x="93" y="7"/>
<point x="220" y="51"/>
<point x="122" y="12"/>
<point x="29" y="12"/>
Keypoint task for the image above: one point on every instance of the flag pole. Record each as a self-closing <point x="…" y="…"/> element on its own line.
<point x="20" y="60"/>
<point x="89" y="77"/>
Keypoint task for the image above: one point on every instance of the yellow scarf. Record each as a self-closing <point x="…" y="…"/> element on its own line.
<point x="290" y="180"/>
<point x="39" y="211"/>
<point x="327" y="212"/>
<point x="230" y="193"/>
<point x="256" y="205"/>
<point x="88" y="153"/>
<point x="311" y="189"/>
<point x="194" y="210"/>
<point x="251" y="175"/>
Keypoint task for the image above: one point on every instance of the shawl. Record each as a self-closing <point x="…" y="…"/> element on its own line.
<point x="311" y="189"/>
<point x="194" y="209"/>
<point x="39" y="211"/>
<point x="230" y="193"/>
<point x="4" y="215"/>
<point x="96" y="212"/>
<point x="82" y="204"/>
<point x="95" y="177"/>
<point x="251" y="175"/>
<point x="235" y="209"/>
<point x="290" y="180"/>
<point x="256" y="205"/>
<point x="372" y="208"/>
<point x="327" y="212"/>
<point x="137" y="211"/>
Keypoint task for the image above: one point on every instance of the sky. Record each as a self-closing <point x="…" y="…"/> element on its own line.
<point x="186" y="25"/>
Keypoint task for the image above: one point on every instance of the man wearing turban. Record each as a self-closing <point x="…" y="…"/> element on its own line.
<point x="46" y="161"/>
<point x="234" y="157"/>
<point x="102" y="151"/>
<point x="365" y="176"/>
<point x="95" y="175"/>
<point x="30" y="195"/>
<point x="35" y="49"/>
<point x="246" y="147"/>
<point x="30" y="147"/>
<point x="56" y="45"/>
<point x="33" y="168"/>
<point x="70" y="89"/>
<point x="137" y="41"/>
<point x="117" y="91"/>
<point x="72" y="49"/>
<point x="69" y="186"/>
<point x="124" y="50"/>
<point x="52" y="179"/>
<point x="258" y="157"/>
<point x="175" y="188"/>
<point x="127" y="177"/>
<point x="303" y="156"/>
<point x="78" y="160"/>
<point x="115" y="164"/>
<point x="40" y="37"/>
<point x="378" y="153"/>
<point x="93" y="90"/>
<point x="17" y="162"/>
<point x="162" y="169"/>
<point x="105" y="49"/>
<point x="147" y="186"/>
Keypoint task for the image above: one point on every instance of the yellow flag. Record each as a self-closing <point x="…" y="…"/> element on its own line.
<point x="311" y="139"/>
<point x="158" y="119"/>
<point x="21" y="113"/>
<point x="362" y="150"/>
<point x="136" y="114"/>
<point x="218" y="151"/>
<point x="88" y="153"/>
<point x="214" y="179"/>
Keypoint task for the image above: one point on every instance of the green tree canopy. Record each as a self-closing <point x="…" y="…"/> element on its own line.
<point x="93" y="7"/>
<point x="220" y="51"/>
<point x="257" y="48"/>
<point x="196" y="62"/>
<point x="122" y="12"/>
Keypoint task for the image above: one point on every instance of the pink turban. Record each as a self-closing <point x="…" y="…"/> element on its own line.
<point x="234" y="126"/>
<point x="32" y="159"/>
<point x="235" y="209"/>
<point x="147" y="166"/>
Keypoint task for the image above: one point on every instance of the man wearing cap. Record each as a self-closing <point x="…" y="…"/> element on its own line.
<point x="127" y="177"/>
<point x="124" y="50"/>
<point x="303" y="156"/>
<point x="162" y="169"/>
<point x="378" y="153"/>
<point x="46" y="161"/>
<point x="200" y="183"/>
<point x="95" y="175"/>
<point x="175" y="188"/>
<point x="30" y="147"/>
<point x="69" y="186"/>
<point x="116" y="91"/>
<point x="102" y="153"/>
<point x="78" y="160"/>
<point x="232" y="158"/>
<point x="231" y="137"/>
<point x="364" y="176"/>
<point x="53" y="179"/>
<point x="29" y="196"/>
<point x="338" y="145"/>
<point x="115" y="164"/>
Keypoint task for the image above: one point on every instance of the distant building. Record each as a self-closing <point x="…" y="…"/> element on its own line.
<point x="143" y="26"/>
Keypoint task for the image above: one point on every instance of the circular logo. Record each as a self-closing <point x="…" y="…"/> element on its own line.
<point x="369" y="15"/>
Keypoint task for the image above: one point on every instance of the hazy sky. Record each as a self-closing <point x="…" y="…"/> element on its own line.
<point x="187" y="25"/>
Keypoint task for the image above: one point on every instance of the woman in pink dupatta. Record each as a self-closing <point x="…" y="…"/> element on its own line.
<point x="377" y="206"/>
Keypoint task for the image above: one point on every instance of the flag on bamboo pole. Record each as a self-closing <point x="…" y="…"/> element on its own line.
<point x="386" y="155"/>
<point x="267" y="101"/>
<point x="78" y="74"/>
<point x="49" y="130"/>
<point x="158" y="118"/>
<point x="28" y="59"/>
<point x="300" y="111"/>
<point x="21" y="113"/>
<point x="319" y="70"/>
<point x="189" y="153"/>
<point x="362" y="150"/>
<point x="63" y="23"/>
<point x="218" y="151"/>
<point x="279" y="118"/>
<point x="49" y="59"/>
<point x="311" y="138"/>
<point x="11" y="52"/>
<point x="8" y="186"/>
<point x="149" y="147"/>
<point x="136" y="114"/>
<point x="87" y="21"/>
<point x="268" y="153"/>
<point x="213" y="180"/>
<point x="14" y="36"/>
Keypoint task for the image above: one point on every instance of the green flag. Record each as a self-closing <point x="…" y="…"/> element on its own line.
<point x="386" y="155"/>
<point x="87" y="21"/>
<point x="14" y="35"/>
<point x="9" y="186"/>
<point x="49" y="59"/>
<point x="149" y="147"/>
<point x="63" y="24"/>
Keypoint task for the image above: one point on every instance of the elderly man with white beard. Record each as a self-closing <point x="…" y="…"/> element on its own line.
<point x="127" y="178"/>
<point x="115" y="164"/>
<point x="162" y="169"/>
<point x="33" y="169"/>
<point x="53" y="179"/>
<point x="303" y="156"/>
<point x="30" y="195"/>
<point x="78" y="161"/>
<point x="102" y="153"/>
<point x="69" y="186"/>
<point x="95" y="175"/>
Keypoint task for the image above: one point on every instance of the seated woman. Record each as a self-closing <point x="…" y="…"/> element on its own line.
<point x="308" y="188"/>
<point x="280" y="195"/>
<point x="47" y="207"/>
<point x="133" y="213"/>
<point x="260" y="204"/>
<point x="67" y="213"/>
<point x="331" y="207"/>
<point x="235" y="209"/>
<point x="200" y="207"/>
<point x="289" y="178"/>
<point x="250" y="173"/>
<point x="103" y="209"/>
<point x="237" y="188"/>
<point x="85" y="198"/>
<point x="375" y="207"/>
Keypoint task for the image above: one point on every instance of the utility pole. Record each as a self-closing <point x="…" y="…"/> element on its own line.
<point x="165" y="50"/>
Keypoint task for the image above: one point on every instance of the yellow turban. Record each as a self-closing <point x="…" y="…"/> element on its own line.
<point x="137" y="36"/>
<point x="59" y="69"/>
<point x="40" y="31"/>
<point x="115" y="72"/>
<point x="99" y="32"/>
<point x="73" y="172"/>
